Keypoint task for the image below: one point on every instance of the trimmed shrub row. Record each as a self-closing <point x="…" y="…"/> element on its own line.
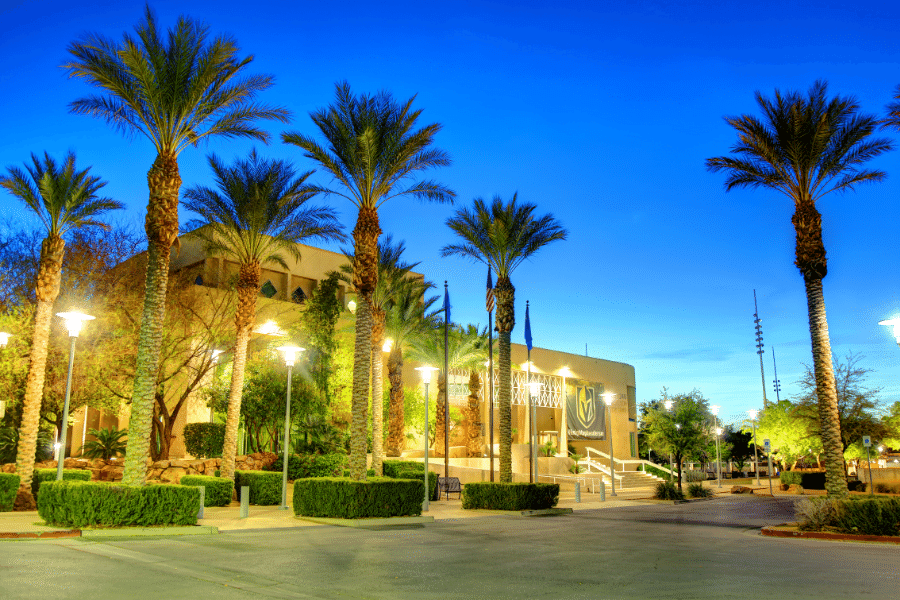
<point x="42" y="475"/>
<point x="344" y="498"/>
<point x="510" y="496"/>
<point x="809" y="480"/>
<point x="301" y="466"/>
<point x="265" y="486"/>
<point x="218" y="490"/>
<point x="401" y="469"/>
<point x="862" y="516"/>
<point x="9" y="486"/>
<point x="655" y="471"/>
<point x="90" y="503"/>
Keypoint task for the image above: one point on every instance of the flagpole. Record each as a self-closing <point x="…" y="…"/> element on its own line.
<point x="530" y="402"/>
<point x="446" y="386"/>
<point x="490" y="306"/>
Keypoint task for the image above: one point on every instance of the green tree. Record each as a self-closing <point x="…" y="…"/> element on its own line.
<point x="372" y="147"/>
<point x="502" y="236"/>
<point x="107" y="443"/>
<point x="682" y="430"/>
<point x="175" y="90"/>
<point x="740" y="445"/>
<point x="789" y="435"/>
<point x="64" y="199"/>
<point x="258" y="215"/>
<point x="323" y="310"/>
<point x="806" y="148"/>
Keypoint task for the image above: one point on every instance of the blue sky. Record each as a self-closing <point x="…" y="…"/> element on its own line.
<point x="599" y="112"/>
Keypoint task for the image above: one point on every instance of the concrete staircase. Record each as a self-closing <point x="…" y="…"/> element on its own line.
<point x="631" y="481"/>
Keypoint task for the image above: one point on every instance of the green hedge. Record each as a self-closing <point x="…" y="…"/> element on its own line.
<point x="265" y="486"/>
<point x="301" y="466"/>
<point x="407" y="469"/>
<point x="655" y="471"/>
<point x="218" y="490"/>
<point x="41" y="475"/>
<point x="392" y="466"/>
<point x="9" y="486"/>
<point x="204" y="440"/>
<point x="344" y="498"/>
<point x="91" y="503"/>
<point x="809" y="480"/>
<point x="856" y="515"/>
<point x="510" y="496"/>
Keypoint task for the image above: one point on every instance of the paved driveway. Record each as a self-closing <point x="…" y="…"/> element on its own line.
<point x="725" y="511"/>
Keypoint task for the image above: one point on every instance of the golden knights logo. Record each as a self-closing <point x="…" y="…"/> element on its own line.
<point x="585" y="415"/>
<point x="585" y="404"/>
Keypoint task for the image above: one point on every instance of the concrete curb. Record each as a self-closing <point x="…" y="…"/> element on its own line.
<point x="788" y="531"/>
<point x="373" y="522"/>
<point x="547" y="512"/>
<point x="44" y="535"/>
<point x="149" y="531"/>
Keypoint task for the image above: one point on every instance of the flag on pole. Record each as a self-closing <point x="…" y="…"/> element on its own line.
<point x="527" y="328"/>
<point x="446" y="304"/>
<point x="489" y="297"/>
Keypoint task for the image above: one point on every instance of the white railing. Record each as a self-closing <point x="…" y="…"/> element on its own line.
<point x="590" y="464"/>
<point x="590" y="483"/>
<point x="620" y="463"/>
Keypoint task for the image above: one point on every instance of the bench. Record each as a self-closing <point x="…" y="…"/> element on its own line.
<point x="449" y="485"/>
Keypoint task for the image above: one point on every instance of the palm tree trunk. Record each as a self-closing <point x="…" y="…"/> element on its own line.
<point x="395" y="441"/>
<point x="161" y="225"/>
<point x="440" y="417"/>
<point x="46" y="289"/>
<point x="378" y="316"/>
<point x="505" y="295"/>
<point x="248" y="288"/>
<point x="829" y="417"/>
<point x="473" y="423"/>
<point x="359" y="404"/>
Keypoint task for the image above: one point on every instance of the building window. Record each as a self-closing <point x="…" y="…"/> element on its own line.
<point x="631" y="439"/>
<point x="632" y="403"/>
<point x="299" y="296"/>
<point x="268" y="290"/>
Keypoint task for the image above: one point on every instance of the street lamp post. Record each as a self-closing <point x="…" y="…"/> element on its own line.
<point x="753" y="414"/>
<point x="73" y="321"/>
<point x="534" y="388"/>
<point x="290" y="357"/>
<point x="668" y="404"/>
<point x="608" y="397"/>
<point x="715" y="412"/>
<point x="425" y="371"/>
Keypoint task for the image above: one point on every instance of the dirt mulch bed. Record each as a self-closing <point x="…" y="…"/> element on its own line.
<point x="791" y="531"/>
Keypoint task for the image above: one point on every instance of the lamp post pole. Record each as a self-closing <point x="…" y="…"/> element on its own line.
<point x="425" y="372"/>
<point x="290" y="357"/>
<point x="715" y="412"/>
<point x="753" y="414"/>
<point x="73" y="324"/>
<point x="608" y="398"/>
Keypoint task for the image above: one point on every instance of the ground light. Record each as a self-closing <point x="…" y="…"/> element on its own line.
<point x="425" y="371"/>
<point x="73" y="321"/>
<point x="715" y="411"/>
<point x="290" y="354"/>
<point x="609" y="397"/>
<point x="753" y="414"/>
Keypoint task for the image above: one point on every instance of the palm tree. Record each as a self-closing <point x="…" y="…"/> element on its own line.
<point x="176" y="91"/>
<point x="371" y="147"/>
<point x="502" y="236"/>
<point x="64" y="199"/>
<point x="259" y="212"/>
<point x="893" y="119"/>
<point x="806" y="148"/>
<point x="393" y="277"/>
<point x="474" y="440"/>
<point x="409" y="316"/>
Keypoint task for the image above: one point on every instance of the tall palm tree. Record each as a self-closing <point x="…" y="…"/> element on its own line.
<point x="258" y="213"/>
<point x="806" y="148"/>
<point x="176" y="90"/>
<point x="64" y="199"/>
<point x="409" y="316"/>
<point x="502" y="235"/>
<point x="372" y="147"/>
<point x="893" y="119"/>
<point x="393" y="277"/>
<point x="474" y="439"/>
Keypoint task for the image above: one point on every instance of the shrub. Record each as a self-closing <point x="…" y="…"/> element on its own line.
<point x="791" y="477"/>
<point x="90" y="503"/>
<point x="419" y="475"/>
<point x="204" y="440"/>
<point x="868" y="516"/>
<point x="814" y="514"/>
<point x="510" y="496"/>
<point x="302" y="466"/>
<point x="108" y="444"/>
<point x="344" y="498"/>
<point x="9" y="445"/>
<point x="692" y="476"/>
<point x="369" y="473"/>
<point x="696" y="490"/>
<point x="265" y="486"/>
<point x="41" y="475"/>
<point x="887" y="488"/>
<point x="9" y="486"/>
<point x="392" y="466"/>
<point x="855" y="485"/>
<point x="407" y="469"/>
<point x="666" y="490"/>
<point x="655" y="471"/>
<point x="218" y="490"/>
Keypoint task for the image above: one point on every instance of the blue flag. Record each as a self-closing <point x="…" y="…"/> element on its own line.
<point x="446" y="304"/>
<point x="527" y="328"/>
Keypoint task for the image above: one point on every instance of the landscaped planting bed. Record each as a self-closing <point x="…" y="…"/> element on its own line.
<point x="9" y="486"/>
<point x="345" y="498"/>
<point x="265" y="486"/>
<point x="510" y="496"/>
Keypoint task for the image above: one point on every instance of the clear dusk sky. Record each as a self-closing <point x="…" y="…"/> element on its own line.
<point x="601" y="113"/>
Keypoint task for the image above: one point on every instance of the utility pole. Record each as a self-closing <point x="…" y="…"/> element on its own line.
<point x="759" y="349"/>
<point x="777" y="384"/>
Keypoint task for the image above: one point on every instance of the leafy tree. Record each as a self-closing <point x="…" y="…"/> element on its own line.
<point x="790" y="436"/>
<point x="682" y="430"/>
<point x="175" y="90"/>
<point x="64" y="199"/>
<point x="891" y="420"/>
<point x="807" y="148"/>
<point x="502" y="236"/>
<point x="323" y="309"/>
<point x="107" y="443"/>
<point x="372" y="147"/>
<point x="258" y="215"/>
<point x="740" y="445"/>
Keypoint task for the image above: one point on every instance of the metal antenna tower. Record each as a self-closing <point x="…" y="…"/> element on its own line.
<point x="759" y="349"/>
<point x="776" y="382"/>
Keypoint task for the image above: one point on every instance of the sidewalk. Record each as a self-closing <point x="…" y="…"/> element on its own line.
<point x="227" y="518"/>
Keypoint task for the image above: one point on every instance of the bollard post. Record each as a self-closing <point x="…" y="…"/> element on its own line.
<point x="245" y="501"/>
<point x="602" y="491"/>
<point x="577" y="491"/>
<point x="202" y="501"/>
